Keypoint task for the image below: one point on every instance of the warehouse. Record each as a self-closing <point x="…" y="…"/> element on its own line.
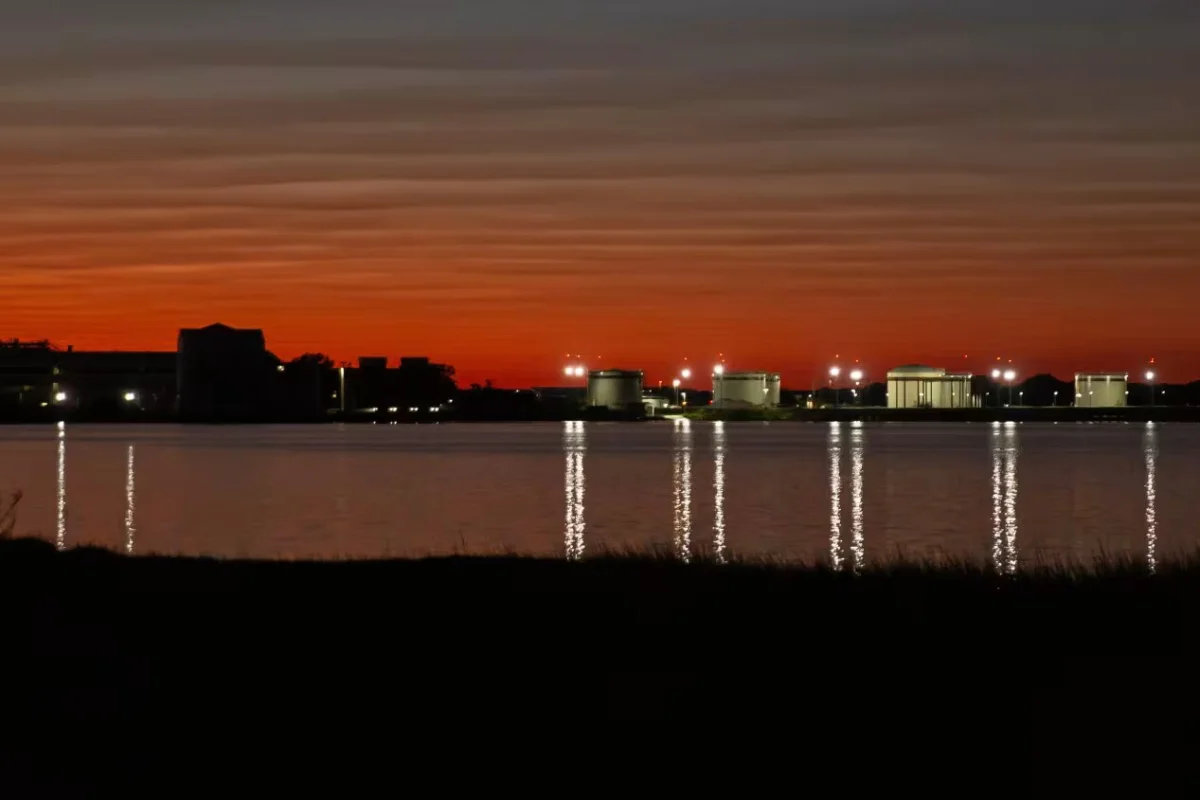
<point x="919" y="386"/>
<point x="1101" y="389"/>
<point x="745" y="389"/>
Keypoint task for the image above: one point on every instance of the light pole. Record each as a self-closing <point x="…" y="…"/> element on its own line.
<point x="1009" y="377"/>
<point x="675" y="383"/>
<point x="1056" y="398"/>
<point x="719" y="385"/>
<point x="834" y="372"/>
<point x="1150" y="382"/>
<point x="996" y="375"/>
<point x="1021" y="397"/>
<point x="857" y="376"/>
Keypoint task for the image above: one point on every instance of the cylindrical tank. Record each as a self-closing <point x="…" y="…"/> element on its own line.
<point x="746" y="390"/>
<point x="615" y="389"/>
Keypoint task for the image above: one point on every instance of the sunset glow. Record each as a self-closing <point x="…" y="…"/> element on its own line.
<point x="778" y="182"/>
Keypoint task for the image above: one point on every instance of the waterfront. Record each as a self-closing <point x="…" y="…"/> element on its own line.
<point x="847" y="493"/>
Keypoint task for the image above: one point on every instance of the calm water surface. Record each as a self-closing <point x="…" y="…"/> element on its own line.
<point x="848" y="493"/>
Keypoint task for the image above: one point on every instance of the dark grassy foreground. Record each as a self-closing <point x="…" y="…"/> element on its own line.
<point x="1060" y="674"/>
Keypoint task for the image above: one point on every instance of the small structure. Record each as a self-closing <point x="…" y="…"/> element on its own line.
<point x="1101" y="389"/>
<point x="919" y="386"/>
<point x="615" y="389"/>
<point x="745" y="389"/>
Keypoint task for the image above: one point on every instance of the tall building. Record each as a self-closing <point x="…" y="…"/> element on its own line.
<point x="224" y="374"/>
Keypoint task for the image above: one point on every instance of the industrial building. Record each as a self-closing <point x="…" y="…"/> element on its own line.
<point x="919" y="386"/>
<point x="224" y="373"/>
<point x="1101" y="389"/>
<point x="745" y="389"/>
<point x="36" y="375"/>
<point x="615" y="389"/>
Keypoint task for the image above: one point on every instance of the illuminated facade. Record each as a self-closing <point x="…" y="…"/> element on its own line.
<point x="1101" y="390"/>
<point x="918" y="386"/>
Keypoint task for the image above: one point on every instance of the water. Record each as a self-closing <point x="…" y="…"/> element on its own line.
<point x="846" y="493"/>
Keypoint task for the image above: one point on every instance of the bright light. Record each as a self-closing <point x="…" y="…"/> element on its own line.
<point x="1009" y="375"/>
<point x="856" y="375"/>
<point x="569" y="371"/>
<point x="61" y="397"/>
<point x="281" y="368"/>
<point x="719" y="369"/>
<point x="835" y="371"/>
<point x="676" y="383"/>
<point x="685" y="374"/>
<point x="995" y="374"/>
<point x="1150" y="375"/>
<point x="131" y="397"/>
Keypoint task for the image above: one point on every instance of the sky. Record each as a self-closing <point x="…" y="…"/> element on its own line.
<point x="497" y="184"/>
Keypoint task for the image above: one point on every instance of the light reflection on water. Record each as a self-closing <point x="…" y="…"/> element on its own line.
<point x="574" y="446"/>
<point x="683" y="488"/>
<point x="858" y="539"/>
<point x="130" y="502"/>
<point x="834" y="449"/>
<point x="1150" y="449"/>
<point x="333" y="491"/>
<point x="1005" y="449"/>
<point x="719" y="491"/>
<point x="60" y="539"/>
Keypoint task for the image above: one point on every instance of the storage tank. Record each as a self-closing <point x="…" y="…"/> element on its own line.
<point x="746" y="390"/>
<point x="615" y="389"/>
<point x="1101" y="389"/>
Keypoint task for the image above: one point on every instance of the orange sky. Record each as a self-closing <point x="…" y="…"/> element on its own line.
<point x="498" y="184"/>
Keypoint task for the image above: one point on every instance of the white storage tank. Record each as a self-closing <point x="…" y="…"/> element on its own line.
<point x="1101" y="389"/>
<point x="745" y="389"/>
<point x="615" y="389"/>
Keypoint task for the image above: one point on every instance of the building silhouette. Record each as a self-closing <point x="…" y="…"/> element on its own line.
<point x="225" y="373"/>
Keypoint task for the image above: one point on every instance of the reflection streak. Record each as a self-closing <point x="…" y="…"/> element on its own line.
<point x="835" y="494"/>
<point x="60" y="540"/>
<point x="574" y="445"/>
<point x="130" y="502"/>
<point x="1150" y="447"/>
<point x="997" y="495"/>
<point x="857" y="542"/>
<point x="719" y="491"/>
<point x="683" y="488"/>
<point x="1004" y="497"/>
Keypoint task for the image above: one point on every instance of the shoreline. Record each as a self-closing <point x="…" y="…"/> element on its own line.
<point x="1067" y="414"/>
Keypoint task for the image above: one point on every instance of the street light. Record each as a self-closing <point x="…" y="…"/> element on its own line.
<point x="856" y="376"/>
<point x="834" y="372"/>
<point x="676" y="383"/>
<point x="719" y="385"/>
<point x="1150" y="382"/>
<point x="131" y="397"/>
<point x="685" y="373"/>
<point x="1009" y="377"/>
<point x="1055" y="398"/>
<point x="60" y="397"/>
